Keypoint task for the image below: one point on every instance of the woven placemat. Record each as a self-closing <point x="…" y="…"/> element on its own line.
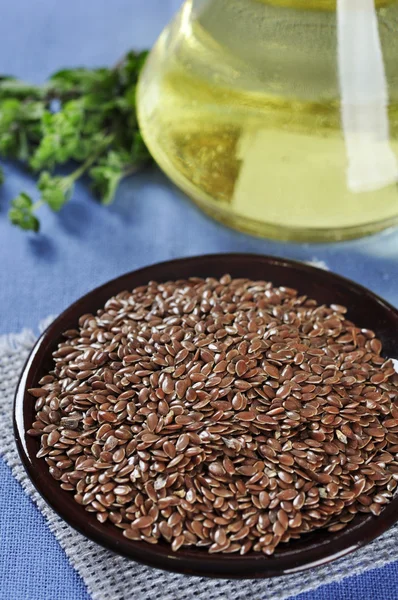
<point x="110" y="577"/>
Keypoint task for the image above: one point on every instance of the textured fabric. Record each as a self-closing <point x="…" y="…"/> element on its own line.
<point x="40" y="553"/>
<point x="378" y="584"/>
<point x="111" y="577"/>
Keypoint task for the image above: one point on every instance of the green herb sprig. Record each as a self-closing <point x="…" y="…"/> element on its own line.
<point x="85" y="117"/>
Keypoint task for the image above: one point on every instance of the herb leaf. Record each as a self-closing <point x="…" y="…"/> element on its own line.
<point x="81" y="116"/>
<point x="108" y="173"/>
<point x="61" y="133"/>
<point x="21" y="213"/>
<point x="55" y="190"/>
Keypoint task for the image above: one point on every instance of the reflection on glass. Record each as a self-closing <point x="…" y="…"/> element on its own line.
<point x="372" y="164"/>
<point x="274" y="118"/>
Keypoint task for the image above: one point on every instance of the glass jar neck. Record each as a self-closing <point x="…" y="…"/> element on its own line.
<point x="318" y="4"/>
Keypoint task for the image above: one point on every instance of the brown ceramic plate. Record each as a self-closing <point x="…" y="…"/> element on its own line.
<point x="311" y="550"/>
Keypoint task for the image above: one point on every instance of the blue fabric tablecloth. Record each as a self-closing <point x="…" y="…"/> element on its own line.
<point x="86" y="245"/>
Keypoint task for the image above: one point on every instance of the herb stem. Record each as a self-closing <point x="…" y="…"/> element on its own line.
<point x="37" y="205"/>
<point x="75" y="175"/>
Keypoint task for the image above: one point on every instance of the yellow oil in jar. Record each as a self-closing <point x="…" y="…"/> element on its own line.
<point x="240" y="105"/>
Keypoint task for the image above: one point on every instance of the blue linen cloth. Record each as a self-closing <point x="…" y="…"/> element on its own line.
<point x="86" y="245"/>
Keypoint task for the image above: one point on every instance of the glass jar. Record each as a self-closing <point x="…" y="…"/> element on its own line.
<point x="279" y="117"/>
